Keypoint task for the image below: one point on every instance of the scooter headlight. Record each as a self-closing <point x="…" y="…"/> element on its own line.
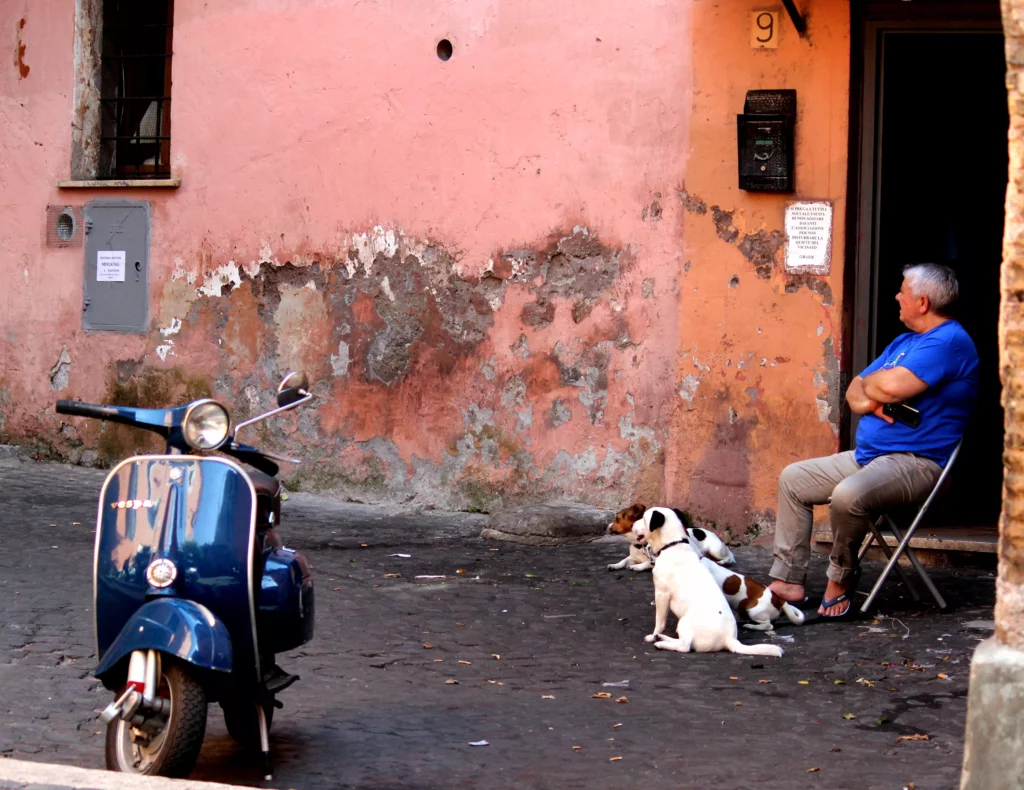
<point x="206" y="425"/>
<point x="161" y="573"/>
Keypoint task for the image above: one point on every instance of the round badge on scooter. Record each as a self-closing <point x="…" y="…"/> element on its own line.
<point x="161" y="573"/>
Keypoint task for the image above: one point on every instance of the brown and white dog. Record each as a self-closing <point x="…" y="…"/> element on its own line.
<point x="749" y="596"/>
<point x="685" y="587"/>
<point x="707" y="543"/>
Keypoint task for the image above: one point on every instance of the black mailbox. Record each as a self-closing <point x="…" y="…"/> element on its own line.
<point x="764" y="133"/>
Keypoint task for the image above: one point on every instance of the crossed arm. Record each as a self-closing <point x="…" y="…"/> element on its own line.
<point x="868" y="394"/>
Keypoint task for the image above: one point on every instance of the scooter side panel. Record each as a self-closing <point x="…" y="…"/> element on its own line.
<point x="286" y="614"/>
<point x="197" y="512"/>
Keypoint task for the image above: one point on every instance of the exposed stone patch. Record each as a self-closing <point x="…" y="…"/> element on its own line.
<point x="61" y="372"/>
<point x="587" y="370"/>
<point x="577" y="267"/>
<point x="726" y="231"/>
<point x="827" y="379"/>
<point x="652" y="211"/>
<point x="734" y="281"/>
<point x="794" y="282"/>
<point x="692" y="203"/>
<point x="340" y="361"/>
<point x="560" y="413"/>
<point x="762" y="249"/>
<point x="647" y="289"/>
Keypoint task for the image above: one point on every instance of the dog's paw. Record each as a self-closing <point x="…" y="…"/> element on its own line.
<point x="640" y="566"/>
<point x="651" y="637"/>
<point x="759" y="626"/>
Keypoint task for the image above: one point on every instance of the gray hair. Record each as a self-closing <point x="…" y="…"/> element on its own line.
<point x="935" y="281"/>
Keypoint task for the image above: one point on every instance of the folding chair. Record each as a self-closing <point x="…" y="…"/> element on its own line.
<point x="904" y="545"/>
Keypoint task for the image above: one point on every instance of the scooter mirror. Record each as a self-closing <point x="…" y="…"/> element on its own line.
<point x="294" y="387"/>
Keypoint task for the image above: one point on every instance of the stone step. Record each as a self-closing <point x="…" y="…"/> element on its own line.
<point x="935" y="546"/>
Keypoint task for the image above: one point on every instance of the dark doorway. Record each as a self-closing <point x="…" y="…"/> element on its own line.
<point x="933" y="183"/>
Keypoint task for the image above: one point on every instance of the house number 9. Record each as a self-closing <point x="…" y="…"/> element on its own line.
<point x="764" y="27"/>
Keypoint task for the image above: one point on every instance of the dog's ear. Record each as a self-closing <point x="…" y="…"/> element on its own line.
<point x="698" y="534"/>
<point x="636" y="512"/>
<point x="657" y="520"/>
<point x="682" y="518"/>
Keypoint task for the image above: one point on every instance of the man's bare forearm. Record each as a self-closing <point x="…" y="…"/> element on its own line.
<point x="858" y="399"/>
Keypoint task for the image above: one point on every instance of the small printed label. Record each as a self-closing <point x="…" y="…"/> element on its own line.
<point x="110" y="266"/>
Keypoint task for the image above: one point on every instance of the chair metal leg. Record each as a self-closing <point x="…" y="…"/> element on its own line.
<point x="904" y="546"/>
<point x="912" y="555"/>
<point x="877" y="537"/>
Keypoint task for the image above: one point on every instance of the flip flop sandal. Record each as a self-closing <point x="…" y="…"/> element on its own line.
<point x="851" y="613"/>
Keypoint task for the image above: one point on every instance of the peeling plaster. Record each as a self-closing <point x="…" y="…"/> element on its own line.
<point x="226" y="275"/>
<point x="61" y="372"/>
<point x="688" y="390"/>
<point x="340" y="361"/>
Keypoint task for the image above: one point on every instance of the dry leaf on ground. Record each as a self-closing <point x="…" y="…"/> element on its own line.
<point x="804" y="682"/>
<point x="547" y="696"/>
<point x="733" y="677"/>
<point x="918" y="737"/>
<point x="614" y="759"/>
<point x="576" y="748"/>
<point x="427" y="646"/>
<point x="942" y="675"/>
<point x="849" y="716"/>
<point x="764" y="681"/>
<point x="496" y="656"/>
<point x="451" y="682"/>
<point x="465" y="662"/>
<point x="622" y="699"/>
<point x="812" y="770"/>
<point x="601" y="695"/>
<point x="616" y="726"/>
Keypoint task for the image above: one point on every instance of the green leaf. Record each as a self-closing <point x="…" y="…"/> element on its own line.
<point x="531" y="575"/>
<point x="882" y="720"/>
<point x="839" y="682"/>
<point x="849" y="716"/>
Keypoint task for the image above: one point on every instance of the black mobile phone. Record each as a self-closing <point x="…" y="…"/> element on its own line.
<point x="901" y="412"/>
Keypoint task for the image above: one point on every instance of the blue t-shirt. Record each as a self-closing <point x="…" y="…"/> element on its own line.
<point x="946" y="360"/>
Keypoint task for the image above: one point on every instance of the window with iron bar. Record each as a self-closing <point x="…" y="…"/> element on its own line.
<point x="135" y="90"/>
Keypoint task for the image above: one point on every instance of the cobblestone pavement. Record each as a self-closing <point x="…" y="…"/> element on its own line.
<point x="374" y="708"/>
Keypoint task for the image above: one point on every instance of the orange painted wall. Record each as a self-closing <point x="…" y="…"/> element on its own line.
<point x="758" y="369"/>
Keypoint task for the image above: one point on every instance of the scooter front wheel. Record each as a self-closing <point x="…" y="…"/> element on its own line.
<point x="166" y="743"/>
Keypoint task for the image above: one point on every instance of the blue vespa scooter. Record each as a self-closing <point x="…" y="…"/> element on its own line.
<point x="194" y="592"/>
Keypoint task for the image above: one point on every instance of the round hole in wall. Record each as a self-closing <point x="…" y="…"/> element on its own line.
<point x="444" y="49"/>
<point x="65" y="225"/>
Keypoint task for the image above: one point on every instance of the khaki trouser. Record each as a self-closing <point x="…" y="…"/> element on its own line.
<point x="855" y="495"/>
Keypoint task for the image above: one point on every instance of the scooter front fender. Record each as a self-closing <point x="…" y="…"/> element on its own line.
<point x="174" y="626"/>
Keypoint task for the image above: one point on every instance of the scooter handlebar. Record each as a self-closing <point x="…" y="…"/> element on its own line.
<point x="80" y="409"/>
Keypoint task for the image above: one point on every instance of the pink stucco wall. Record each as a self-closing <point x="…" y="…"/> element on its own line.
<point x="479" y="261"/>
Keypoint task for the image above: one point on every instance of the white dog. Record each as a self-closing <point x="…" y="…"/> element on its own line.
<point x="682" y="584"/>
<point x="639" y="559"/>
<point x="747" y="595"/>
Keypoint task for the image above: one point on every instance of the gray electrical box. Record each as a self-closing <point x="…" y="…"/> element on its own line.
<point x="116" y="290"/>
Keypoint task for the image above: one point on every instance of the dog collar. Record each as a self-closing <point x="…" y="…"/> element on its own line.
<point x="670" y="545"/>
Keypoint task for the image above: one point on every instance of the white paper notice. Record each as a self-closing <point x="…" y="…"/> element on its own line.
<point x="110" y="266"/>
<point x="809" y="237"/>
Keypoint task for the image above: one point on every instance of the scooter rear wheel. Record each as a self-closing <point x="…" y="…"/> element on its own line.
<point x="243" y="722"/>
<point x="163" y="746"/>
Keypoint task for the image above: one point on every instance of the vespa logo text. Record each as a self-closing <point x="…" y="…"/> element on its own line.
<point x="132" y="504"/>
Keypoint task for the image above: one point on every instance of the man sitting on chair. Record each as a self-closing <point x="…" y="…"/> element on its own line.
<point x="933" y="368"/>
